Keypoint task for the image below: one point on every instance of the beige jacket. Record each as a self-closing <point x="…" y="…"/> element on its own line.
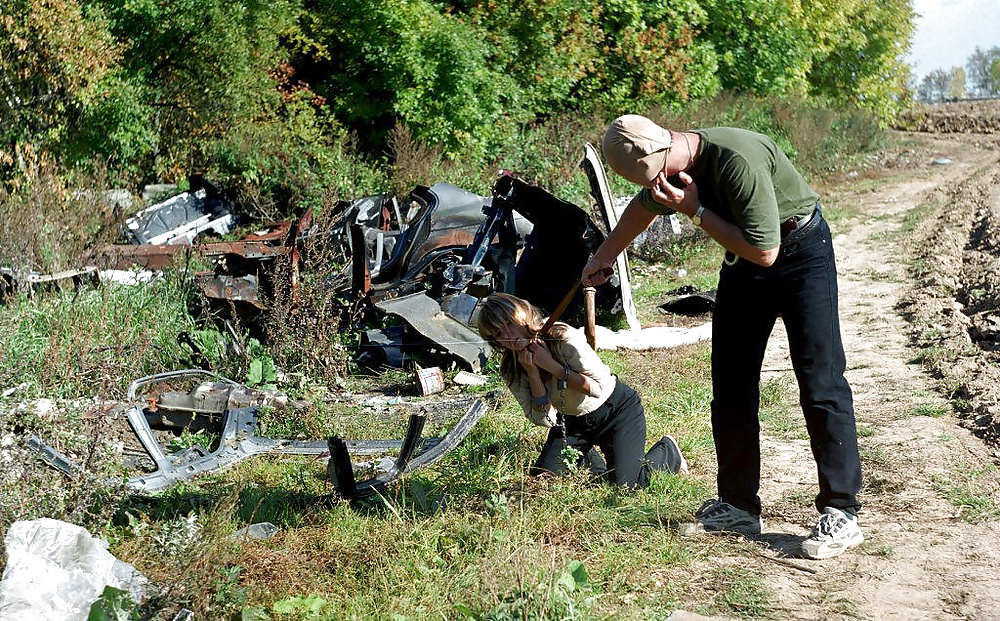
<point x="580" y="357"/>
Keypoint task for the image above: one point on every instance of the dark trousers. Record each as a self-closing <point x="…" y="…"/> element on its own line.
<point x="618" y="428"/>
<point x="801" y="288"/>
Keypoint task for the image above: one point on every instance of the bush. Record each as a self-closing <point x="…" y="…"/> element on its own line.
<point x="291" y="160"/>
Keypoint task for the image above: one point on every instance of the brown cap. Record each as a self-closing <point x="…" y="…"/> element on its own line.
<point x="636" y="148"/>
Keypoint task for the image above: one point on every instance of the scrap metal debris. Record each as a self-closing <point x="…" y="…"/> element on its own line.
<point x="238" y="407"/>
<point x="688" y="300"/>
<point x="342" y="472"/>
<point x="32" y="282"/>
<point x="426" y="259"/>
<point x="232" y="409"/>
<point x="181" y="218"/>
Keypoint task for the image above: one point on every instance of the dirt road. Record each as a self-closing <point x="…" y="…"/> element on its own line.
<point x="932" y="548"/>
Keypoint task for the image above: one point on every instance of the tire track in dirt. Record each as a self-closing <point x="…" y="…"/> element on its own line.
<point x="919" y="560"/>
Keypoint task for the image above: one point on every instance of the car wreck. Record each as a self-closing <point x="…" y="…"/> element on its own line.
<point x="410" y="277"/>
<point x="181" y="218"/>
<point x="425" y="261"/>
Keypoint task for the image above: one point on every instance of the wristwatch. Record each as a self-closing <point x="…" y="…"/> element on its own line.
<point x="696" y="218"/>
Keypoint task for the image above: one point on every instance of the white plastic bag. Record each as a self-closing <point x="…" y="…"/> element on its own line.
<point x="56" y="570"/>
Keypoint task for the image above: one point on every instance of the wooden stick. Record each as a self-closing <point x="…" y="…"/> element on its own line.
<point x="590" y="328"/>
<point x="562" y="307"/>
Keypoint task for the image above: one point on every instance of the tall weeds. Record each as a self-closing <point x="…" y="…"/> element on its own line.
<point x="92" y="341"/>
<point x="51" y="220"/>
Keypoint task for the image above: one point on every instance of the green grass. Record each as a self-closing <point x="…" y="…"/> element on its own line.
<point x="964" y="493"/>
<point x="918" y="214"/>
<point x="885" y="551"/>
<point x="463" y="558"/>
<point x="929" y="355"/>
<point x="911" y="220"/>
<point x="778" y="415"/>
<point x="837" y="604"/>
<point x="741" y="594"/>
<point x="92" y="341"/>
<point x="933" y="410"/>
<point x="472" y="537"/>
<point x="656" y="279"/>
<point x="875" y="275"/>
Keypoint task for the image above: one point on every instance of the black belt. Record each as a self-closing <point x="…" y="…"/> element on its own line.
<point x="792" y="224"/>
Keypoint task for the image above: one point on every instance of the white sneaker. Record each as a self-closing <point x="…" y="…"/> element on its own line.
<point x="834" y="532"/>
<point x="716" y="516"/>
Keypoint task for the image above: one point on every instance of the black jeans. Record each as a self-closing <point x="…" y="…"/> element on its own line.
<point x="618" y="428"/>
<point x="801" y="288"/>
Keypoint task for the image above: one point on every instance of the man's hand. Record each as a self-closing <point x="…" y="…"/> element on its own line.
<point x="634" y="220"/>
<point x="596" y="272"/>
<point x="684" y="200"/>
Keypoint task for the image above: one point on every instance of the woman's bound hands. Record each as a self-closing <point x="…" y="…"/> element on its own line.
<point x="537" y="356"/>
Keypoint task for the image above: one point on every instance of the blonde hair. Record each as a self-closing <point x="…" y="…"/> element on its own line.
<point x="503" y="309"/>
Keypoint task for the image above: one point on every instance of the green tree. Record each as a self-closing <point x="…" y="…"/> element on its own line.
<point x="858" y="52"/>
<point x="653" y="55"/>
<point x="146" y="86"/>
<point x="380" y="62"/>
<point x="934" y="87"/>
<point x="762" y="45"/>
<point x="198" y="69"/>
<point x="56" y="60"/>
<point x="578" y="56"/>
<point x="956" y="84"/>
<point x="272" y="91"/>
<point x="984" y="71"/>
<point x="547" y="46"/>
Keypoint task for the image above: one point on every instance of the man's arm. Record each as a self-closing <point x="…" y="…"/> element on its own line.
<point x="635" y="219"/>
<point x="730" y="237"/>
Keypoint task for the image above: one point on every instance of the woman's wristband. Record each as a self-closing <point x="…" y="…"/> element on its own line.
<point x="564" y="382"/>
<point x="540" y="403"/>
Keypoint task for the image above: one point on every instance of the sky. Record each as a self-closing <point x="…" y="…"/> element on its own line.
<point x="948" y="31"/>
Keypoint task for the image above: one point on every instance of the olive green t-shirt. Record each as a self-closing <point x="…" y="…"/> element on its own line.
<point x="745" y="178"/>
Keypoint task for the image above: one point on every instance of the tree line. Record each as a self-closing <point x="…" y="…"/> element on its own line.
<point x="152" y="89"/>
<point x="979" y="78"/>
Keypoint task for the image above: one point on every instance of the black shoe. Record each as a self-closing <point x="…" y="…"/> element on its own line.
<point x="666" y="455"/>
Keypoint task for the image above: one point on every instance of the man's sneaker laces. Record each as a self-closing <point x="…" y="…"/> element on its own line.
<point x="835" y="532"/>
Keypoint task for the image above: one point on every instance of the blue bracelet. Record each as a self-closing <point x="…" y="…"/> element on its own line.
<point x="540" y="402"/>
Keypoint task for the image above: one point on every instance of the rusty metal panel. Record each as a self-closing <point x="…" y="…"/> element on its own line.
<point x="426" y="317"/>
<point x="226" y="287"/>
<point x="245" y="249"/>
<point x="272" y="231"/>
<point x="123" y="256"/>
